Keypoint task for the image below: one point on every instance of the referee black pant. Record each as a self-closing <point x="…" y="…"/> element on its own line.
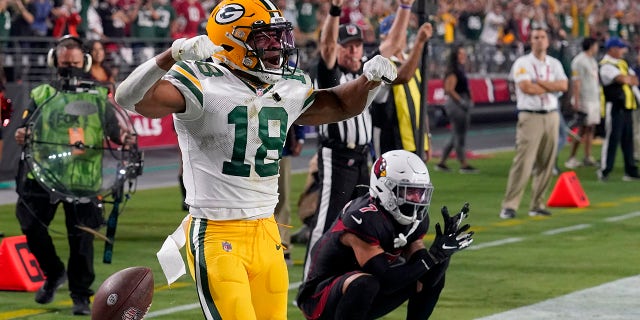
<point x="344" y="176"/>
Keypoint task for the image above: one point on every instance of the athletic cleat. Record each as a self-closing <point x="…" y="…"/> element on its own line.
<point x="590" y="162"/>
<point x="507" y="213"/>
<point x="601" y="176"/>
<point x="539" y="212"/>
<point x="48" y="290"/>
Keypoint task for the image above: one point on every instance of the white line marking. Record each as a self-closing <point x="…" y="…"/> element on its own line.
<point x="567" y="229"/>
<point x="494" y="243"/>
<point x="165" y="312"/>
<point x="617" y="300"/>
<point x="623" y="217"/>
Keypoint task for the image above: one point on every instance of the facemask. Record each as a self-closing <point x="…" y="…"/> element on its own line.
<point x="71" y="72"/>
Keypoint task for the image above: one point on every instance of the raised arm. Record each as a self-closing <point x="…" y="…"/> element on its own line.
<point x="329" y="35"/>
<point x="351" y="98"/>
<point x="143" y="91"/>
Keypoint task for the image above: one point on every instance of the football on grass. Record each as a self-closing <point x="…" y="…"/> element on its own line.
<point x="126" y="294"/>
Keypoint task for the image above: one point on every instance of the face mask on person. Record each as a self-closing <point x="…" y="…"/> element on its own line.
<point x="71" y="72"/>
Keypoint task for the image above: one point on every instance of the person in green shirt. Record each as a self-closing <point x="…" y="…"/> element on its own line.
<point x="66" y="126"/>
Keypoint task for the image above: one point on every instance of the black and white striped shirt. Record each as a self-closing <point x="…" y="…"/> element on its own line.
<point x="354" y="131"/>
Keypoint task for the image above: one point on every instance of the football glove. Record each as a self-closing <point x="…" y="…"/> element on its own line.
<point x="380" y="68"/>
<point x="445" y="245"/>
<point x="196" y="48"/>
<point x="452" y="224"/>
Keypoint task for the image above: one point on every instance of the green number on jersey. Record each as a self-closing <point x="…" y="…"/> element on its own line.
<point x="267" y="115"/>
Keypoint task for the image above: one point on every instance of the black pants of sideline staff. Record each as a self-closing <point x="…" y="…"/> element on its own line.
<point x="619" y="130"/>
<point x="34" y="221"/>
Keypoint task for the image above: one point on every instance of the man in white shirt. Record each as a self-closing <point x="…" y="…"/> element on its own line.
<point x="585" y="100"/>
<point x="539" y="80"/>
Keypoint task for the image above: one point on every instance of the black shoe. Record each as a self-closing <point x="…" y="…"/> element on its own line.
<point x="507" y="213"/>
<point x="80" y="306"/>
<point x="469" y="169"/>
<point x="48" y="290"/>
<point x="601" y="176"/>
<point x="539" y="212"/>
<point x="442" y="167"/>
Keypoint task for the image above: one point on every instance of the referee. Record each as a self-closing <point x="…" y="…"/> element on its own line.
<point x="343" y="154"/>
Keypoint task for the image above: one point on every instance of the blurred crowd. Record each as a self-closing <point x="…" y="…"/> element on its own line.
<point x="495" y="31"/>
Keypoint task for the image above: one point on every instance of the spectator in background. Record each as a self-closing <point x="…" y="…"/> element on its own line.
<point x="6" y="109"/>
<point x="114" y="20"/>
<point x="458" y="108"/>
<point x="192" y="14"/>
<point x="538" y="80"/>
<point x="448" y="22"/>
<point x="166" y="23"/>
<point x="490" y="37"/>
<point x="66" y="18"/>
<point x="307" y="10"/>
<point x="143" y="16"/>
<point x="23" y="14"/>
<point x="292" y="148"/>
<point x="396" y="110"/>
<point x="100" y="71"/>
<point x="471" y="20"/>
<point x="94" y="29"/>
<point x="5" y="25"/>
<point x="617" y="79"/>
<point x="585" y="89"/>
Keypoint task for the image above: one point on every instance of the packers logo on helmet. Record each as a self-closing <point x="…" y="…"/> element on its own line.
<point x="255" y="36"/>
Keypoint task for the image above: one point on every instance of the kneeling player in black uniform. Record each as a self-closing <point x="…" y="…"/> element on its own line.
<point x="373" y="257"/>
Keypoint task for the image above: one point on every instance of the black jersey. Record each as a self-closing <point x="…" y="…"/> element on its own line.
<point x="370" y="222"/>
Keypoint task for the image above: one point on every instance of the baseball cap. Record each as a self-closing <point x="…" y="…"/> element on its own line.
<point x="614" y="42"/>
<point x="349" y="32"/>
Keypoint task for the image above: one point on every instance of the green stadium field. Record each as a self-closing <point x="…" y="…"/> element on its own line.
<point x="511" y="264"/>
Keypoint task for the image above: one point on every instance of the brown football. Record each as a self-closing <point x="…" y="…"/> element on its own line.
<point x="126" y="294"/>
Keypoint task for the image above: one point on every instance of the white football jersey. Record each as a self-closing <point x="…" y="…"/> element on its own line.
<point x="231" y="137"/>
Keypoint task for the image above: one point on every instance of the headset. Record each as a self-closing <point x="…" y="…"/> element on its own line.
<point x="52" y="58"/>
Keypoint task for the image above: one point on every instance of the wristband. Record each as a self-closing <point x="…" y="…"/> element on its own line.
<point x="405" y="6"/>
<point x="335" y="11"/>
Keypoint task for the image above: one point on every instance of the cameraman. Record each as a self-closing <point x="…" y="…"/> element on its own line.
<point x="36" y="207"/>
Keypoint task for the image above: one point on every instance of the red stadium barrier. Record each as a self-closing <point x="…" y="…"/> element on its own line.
<point x="154" y="133"/>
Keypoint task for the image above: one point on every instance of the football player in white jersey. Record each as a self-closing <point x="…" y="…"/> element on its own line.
<point x="232" y="115"/>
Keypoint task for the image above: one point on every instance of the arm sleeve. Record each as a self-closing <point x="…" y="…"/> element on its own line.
<point x="399" y="276"/>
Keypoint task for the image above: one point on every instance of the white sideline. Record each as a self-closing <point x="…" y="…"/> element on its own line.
<point x="617" y="300"/>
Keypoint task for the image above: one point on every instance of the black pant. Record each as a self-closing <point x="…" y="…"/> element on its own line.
<point x="341" y="171"/>
<point x="35" y="212"/>
<point x="620" y="131"/>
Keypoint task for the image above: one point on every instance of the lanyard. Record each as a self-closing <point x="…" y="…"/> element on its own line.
<point x="544" y="98"/>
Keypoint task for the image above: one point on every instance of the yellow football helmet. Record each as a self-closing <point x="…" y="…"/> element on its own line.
<point x="255" y="36"/>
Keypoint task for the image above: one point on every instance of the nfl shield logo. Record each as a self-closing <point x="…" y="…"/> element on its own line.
<point x="226" y="246"/>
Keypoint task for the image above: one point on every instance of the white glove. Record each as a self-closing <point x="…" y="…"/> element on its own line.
<point x="380" y="68"/>
<point x="196" y="48"/>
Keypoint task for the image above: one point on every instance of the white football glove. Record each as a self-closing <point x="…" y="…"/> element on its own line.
<point x="380" y="68"/>
<point x="196" y="48"/>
